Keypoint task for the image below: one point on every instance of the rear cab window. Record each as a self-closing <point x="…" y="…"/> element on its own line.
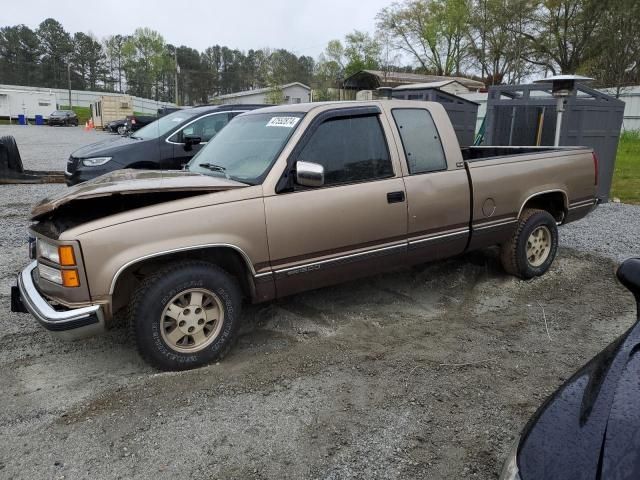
<point x="420" y="140"/>
<point x="351" y="150"/>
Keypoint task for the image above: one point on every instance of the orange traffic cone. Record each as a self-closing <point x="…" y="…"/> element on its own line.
<point x="86" y="126"/>
<point x="91" y="126"/>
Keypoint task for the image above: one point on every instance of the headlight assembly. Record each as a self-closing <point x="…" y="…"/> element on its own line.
<point x="95" y="162"/>
<point x="48" y="251"/>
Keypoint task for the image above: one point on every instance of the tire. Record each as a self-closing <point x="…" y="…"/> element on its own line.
<point x="167" y="298"/>
<point x="532" y="248"/>
<point x="121" y="130"/>
<point x="14" y="161"/>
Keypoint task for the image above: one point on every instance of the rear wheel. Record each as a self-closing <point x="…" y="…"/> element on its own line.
<point x="185" y="316"/>
<point x="532" y="248"/>
<point x="122" y="130"/>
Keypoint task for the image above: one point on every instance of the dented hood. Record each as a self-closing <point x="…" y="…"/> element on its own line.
<point x="123" y="182"/>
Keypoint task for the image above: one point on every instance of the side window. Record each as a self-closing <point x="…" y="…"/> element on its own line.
<point x="420" y="140"/>
<point x="206" y="128"/>
<point x="350" y="150"/>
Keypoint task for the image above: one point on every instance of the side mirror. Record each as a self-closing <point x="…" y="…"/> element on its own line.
<point x="190" y="141"/>
<point x="309" y="174"/>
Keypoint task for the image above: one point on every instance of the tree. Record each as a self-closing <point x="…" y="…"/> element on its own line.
<point x="55" y="49"/>
<point x="561" y="33"/>
<point x="362" y="52"/>
<point x="113" y="49"/>
<point x="19" y="55"/>
<point x="329" y="70"/>
<point x="496" y="43"/>
<point x="88" y="60"/>
<point x="616" y="56"/>
<point x="191" y="83"/>
<point x="275" y="95"/>
<point x="144" y="62"/>
<point x="334" y="52"/>
<point x="433" y="32"/>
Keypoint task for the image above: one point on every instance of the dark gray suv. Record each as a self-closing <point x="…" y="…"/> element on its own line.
<point x="165" y="144"/>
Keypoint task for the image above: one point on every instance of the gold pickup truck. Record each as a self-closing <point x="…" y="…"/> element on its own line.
<point x="287" y="199"/>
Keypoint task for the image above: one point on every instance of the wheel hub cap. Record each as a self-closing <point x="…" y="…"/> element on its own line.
<point x="192" y="320"/>
<point x="538" y="246"/>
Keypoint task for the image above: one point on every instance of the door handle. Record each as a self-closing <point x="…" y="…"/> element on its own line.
<point x="395" y="197"/>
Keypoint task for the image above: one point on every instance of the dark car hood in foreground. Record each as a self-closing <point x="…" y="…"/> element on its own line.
<point x="136" y="182"/>
<point x="111" y="147"/>
<point x="590" y="427"/>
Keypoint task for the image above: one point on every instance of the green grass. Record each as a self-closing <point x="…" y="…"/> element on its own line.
<point x="83" y="113"/>
<point x="626" y="177"/>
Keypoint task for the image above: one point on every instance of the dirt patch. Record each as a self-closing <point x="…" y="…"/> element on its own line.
<point x="423" y="373"/>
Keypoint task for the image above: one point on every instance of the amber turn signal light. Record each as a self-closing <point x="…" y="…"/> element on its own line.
<point x="67" y="258"/>
<point x="70" y="278"/>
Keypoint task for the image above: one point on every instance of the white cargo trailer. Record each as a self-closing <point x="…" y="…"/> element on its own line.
<point x="27" y="103"/>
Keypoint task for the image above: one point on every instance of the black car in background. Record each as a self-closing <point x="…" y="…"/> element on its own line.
<point x="64" y="118"/>
<point x="590" y="427"/>
<point x="117" y="126"/>
<point x="167" y="143"/>
<point x="133" y="123"/>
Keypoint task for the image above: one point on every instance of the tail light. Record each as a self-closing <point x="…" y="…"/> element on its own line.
<point x="133" y="121"/>
<point x="595" y="169"/>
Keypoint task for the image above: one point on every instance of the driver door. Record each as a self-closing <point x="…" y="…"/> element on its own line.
<point x="353" y="225"/>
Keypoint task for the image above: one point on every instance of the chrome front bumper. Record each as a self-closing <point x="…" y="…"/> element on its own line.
<point x="68" y="323"/>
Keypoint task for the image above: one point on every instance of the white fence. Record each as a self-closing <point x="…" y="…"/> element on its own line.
<point x="83" y="98"/>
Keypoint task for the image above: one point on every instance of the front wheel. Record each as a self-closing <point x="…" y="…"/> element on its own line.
<point x="532" y="248"/>
<point x="185" y="316"/>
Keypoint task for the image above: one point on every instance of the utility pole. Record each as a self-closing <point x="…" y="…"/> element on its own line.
<point x="69" y="80"/>
<point x="175" y="52"/>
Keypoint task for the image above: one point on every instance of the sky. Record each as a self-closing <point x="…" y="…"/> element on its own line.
<point x="303" y="27"/>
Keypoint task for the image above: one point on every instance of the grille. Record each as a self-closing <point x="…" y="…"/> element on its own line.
<point x="72" y="164"/>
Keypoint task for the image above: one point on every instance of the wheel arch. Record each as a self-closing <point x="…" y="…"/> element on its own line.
<point x="556" y="202"/>
<point x="230" y="258"/>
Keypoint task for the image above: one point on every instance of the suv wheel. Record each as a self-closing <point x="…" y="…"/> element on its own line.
<point x="533" y="247"/>
<point x="185" y="316"/>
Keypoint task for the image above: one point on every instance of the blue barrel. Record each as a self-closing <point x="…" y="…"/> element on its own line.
<point x="22" y="120"/>
<point x="39" y="120"/>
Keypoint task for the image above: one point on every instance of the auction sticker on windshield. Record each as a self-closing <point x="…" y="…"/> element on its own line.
<point x="286" y="122"/>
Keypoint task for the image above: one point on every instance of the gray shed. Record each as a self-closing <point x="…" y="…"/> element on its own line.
<point x="526" y="115"/>
<point x="462" y="112"/>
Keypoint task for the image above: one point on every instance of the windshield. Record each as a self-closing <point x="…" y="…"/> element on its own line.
<point x="246" y="148"/>
<point x="163" y="125"/>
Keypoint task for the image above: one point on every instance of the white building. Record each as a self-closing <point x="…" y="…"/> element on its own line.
<point x="80" y="98"/>
<point x="26" y="102"/>
<point x="295" y="92"/>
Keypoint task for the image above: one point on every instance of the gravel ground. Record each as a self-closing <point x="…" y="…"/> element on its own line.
<point x="427" y="372"/>
<point x="612" y="230"/>
<point x="48" y="148"/>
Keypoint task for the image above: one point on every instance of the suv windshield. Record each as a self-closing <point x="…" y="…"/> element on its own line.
<point x="163" y="125"/>
<point x="246" y="148"/>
